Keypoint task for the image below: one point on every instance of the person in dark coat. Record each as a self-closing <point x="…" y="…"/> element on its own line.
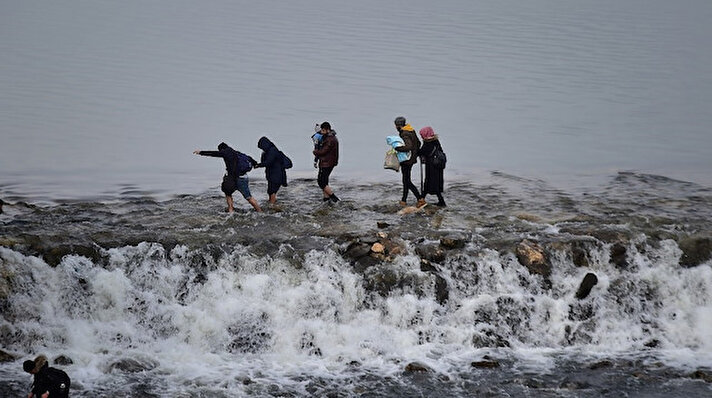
<point x="48" y="382"/>
<point x="234" y="179"/>
<point x="273" y="162"/>
<point x="412" y="145"/>
<point x="433" y="175"/>
<point x="328" y="156"/>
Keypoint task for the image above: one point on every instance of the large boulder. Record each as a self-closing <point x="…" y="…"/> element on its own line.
<point x="7" y="357"/>
<point x="534" y="258"/>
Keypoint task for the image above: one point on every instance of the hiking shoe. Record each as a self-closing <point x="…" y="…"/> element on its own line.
<point x="334" y="198"/>
<point x="421" y="203"/>
<point x="441" y="204"/>
<point x="402" y="203"/>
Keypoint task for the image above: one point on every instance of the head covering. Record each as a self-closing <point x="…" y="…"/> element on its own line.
<point x="36" y="365"/>
<point x="427" y="132"/>
<point x="400" y="121"/>
<point x="264" y="143"/>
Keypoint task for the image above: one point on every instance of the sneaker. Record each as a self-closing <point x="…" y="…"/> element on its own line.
<point x="441" y="204"/>
<point x="402" y="203"/>
<point x="334" y="198"/>
<point x="421" y="203"/>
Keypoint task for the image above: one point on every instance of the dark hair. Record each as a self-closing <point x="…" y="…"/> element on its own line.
<point x="326" y="125"/>
<point x="28" y="366"/>
<point x="400" y="121"/>
<point x="222" y="146"/>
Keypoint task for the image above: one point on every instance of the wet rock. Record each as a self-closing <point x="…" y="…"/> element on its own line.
<point x="63" y="360"/>
<point x="382" y="224"/>
<point x="452" y="242"/>
<point x="417" y="367"/>
<point x="533" y="257"/>
<point x="431" y="252"/>
<point x="601" y="365"/>
<point x="7" y="357"/>
<point x="369" y="240"/>
<point x="427" y="266"/>
<point x="702" y="374"/>
<point x="442" y="293"/>
<point x="696" y="250"/>
<point x="568" y="384"/>
<point x="364" y="263"/>
<point x="381" y="280"/>
<point x="654" y="343"/>
<point x="489" y="338"/>
<point x="485" y="364"/>
<point x="357" y="250"/>
<point x="54" y="255"/>
<point x="378" y="248"/>
<point x="619" y="255"/>
<point x="589" y="281"/>
<point x="130" y="365"/>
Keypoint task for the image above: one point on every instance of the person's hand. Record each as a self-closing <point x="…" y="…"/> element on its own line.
<point x="45" y="395"/>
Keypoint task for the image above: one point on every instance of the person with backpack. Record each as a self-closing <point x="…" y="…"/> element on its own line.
<point x="237" y="164"/>
<point x="328" y="156"/>
<point x="412" y="145"/>
<point x="48" y="381"/>
<point x="276" y="164"/>
<point x="432" y="156"/>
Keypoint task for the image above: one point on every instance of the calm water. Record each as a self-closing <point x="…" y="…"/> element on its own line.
<point x="103" y="97"/>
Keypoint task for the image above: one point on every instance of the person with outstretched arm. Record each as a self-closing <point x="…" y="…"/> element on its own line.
<point x="48" y="382"/>
<point x="328" y="156"/>
<point x="237" y="165"/>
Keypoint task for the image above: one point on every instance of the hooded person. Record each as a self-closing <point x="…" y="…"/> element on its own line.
<point x="48" y="381"/>
<point x="273" y="160"/>
<point x="433" y="174"/>
<point x="411" y="145"/>
<point x="237" y="165"/>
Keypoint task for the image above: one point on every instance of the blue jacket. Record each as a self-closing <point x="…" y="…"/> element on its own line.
<point x="395" y="141"/>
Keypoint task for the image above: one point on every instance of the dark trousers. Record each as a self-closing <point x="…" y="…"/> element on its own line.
<point x="323" y="178"/>
<point x="407" y="182"/>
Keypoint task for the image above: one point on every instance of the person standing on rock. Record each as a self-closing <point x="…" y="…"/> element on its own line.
<point x="328" y="156"/>
<point x="433" y="173"/>
<point x="273" y="160"/>
<point x="412" y="145"/>
<point x="48" y="381"/>
<point x="237" y="165"/>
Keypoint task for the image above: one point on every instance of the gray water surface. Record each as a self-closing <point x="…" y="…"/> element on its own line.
<point x="100" y="97"/>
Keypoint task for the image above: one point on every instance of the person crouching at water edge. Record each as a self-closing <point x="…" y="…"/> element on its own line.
<point x="237" y="164"/>
<point x="433" y="166"/>
<point x="275" y="163"/>
<point x="412" y="145"/>
<point x="48" y="381"/>
<point x="328" y="156"/>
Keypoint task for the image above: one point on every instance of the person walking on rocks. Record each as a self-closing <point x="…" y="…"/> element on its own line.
<point x="275" y="163"/>
<point x="328" y="156"/>
<point x="412" y="145"/>
<point x="237" y="164"/>
<point x="433" y="170"/>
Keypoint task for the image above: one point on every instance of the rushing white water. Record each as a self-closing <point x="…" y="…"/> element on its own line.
<point x="241" y="316"/>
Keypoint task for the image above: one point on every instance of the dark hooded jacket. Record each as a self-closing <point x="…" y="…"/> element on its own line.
<point x="328" y="154"/>
<point x="411" y="144"/>
<point x="433" y="175"/>
<point x="52" y="380"/>
<point x="230" y="156"/>
<point x="273" y="161"/>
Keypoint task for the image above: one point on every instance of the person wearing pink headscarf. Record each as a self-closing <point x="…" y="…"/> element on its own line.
<point x="433" y="174"/>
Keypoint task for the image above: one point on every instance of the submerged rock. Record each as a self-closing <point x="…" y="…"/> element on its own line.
<point x="601" y="365"/>
<point x="130" y="365"/>
<point x="7" y="357"/>
<point x="417" y="367"/>
<point x="452" y="242"/>
<point x="702" y="374"/>
<point x="589" y="281"/>
<point x="695" y="250"/>
<point x="485" y="364"/>
<point x="619" y="255"/>
<point x="63" y="360"/>
<point x="431" y="252"/>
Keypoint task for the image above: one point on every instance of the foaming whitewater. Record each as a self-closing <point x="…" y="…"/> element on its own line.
<point x="175" y="299"/>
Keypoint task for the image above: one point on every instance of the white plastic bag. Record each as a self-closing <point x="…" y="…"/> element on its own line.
<point x="391" y="160"/>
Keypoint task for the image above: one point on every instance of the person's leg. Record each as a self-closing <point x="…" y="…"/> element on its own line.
<point x="230" y="203"/>
<point x="323" y="180"/>
<point x="408" y="184"/>
<point x="273" y="198"/>
<point x="243" y="185"/>
<point x="441" y="201"/>
<point x="272" y="189"/>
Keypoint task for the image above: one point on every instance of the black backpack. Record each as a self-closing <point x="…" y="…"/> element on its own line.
<point x="438" y="158"/>
<point x="59" y="382"/>
<point x="243" y="164"/>
<point x="286" y="162"/>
